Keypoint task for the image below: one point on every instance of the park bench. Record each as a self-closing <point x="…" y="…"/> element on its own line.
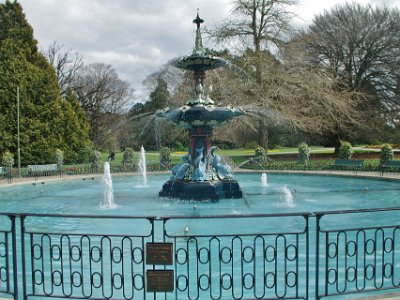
<point x="348" y="164"/>
<point x="42" y="170"/>
<point x="391" y="164"/>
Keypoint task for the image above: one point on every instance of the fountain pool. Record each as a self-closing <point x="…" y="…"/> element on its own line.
<point x="308" y="192"/>
<point x="262" y="244"/>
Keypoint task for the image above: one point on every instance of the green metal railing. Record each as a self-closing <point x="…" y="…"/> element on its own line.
<point x="286" y="256"/>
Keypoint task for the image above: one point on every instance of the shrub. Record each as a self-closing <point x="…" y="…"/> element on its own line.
<point x="261" y="157"/>
<point x="165" y="156"/>
<point x="95" y="159"/>
<point x="304" y="154"/>
<point x="345" y="150"/>
<point x="59" y="157"/>
<point x="127" y="159"/>
<point x="386" y="154"/>
<point x="82" y="156"/>
<point x="178" y="146"/>
<point x="260" y="151"/>
<point x="251" y="145"/>
<point x="8" y="159"/>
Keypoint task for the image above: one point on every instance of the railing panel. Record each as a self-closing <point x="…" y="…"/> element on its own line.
<point x="240" y="258"/>
<point x="292" y="256"/>
<point x="83" y="263"/>
<point x="7" y="260"/>
<point x="357" y="255"/>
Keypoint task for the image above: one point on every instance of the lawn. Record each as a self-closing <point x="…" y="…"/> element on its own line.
<point x="237" y="157"/>
<point x="284" y="158"/>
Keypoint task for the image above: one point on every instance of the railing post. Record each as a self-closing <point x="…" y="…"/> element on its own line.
<point x="307" y="232"/>
<point x="22" y="217"/>
<point x="14" y="252"/>
<point x="317" y="229"/>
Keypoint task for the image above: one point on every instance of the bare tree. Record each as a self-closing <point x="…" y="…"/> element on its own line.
<point x="292" y="95"/>
<point x="65" y="63"/>
<point x="103" y="96"/>
<point x="260" y="25"/>
<point x="359" y="46"/>
<point x="257" y="23"/>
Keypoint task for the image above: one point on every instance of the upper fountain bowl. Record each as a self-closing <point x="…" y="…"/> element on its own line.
<point x="199" y="63"/>
<point x="201" y="59"/>
<point x="200" y="115"/>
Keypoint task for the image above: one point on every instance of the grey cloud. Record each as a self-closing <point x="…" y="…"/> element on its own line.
<point x="134" y="36"/>
<point x="388" y="3"/>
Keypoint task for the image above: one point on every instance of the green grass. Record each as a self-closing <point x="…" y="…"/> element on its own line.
<point x="250" y="152"/>
<point x="152" y="157"/>
<point x="238" y="156"/>
<point x="235" y="154"/>
<point x="314" y="165"/>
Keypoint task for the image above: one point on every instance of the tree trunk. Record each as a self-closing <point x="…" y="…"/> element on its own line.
<point x="262" y="134"/>
<point x="337" y="146"/>
<point x="334" y="141"/>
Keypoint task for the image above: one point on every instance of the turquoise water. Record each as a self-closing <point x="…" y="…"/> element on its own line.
<point x="309" y="192"/>
<point x="197" y="251"/>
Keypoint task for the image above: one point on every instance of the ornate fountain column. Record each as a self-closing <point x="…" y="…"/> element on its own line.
<point x="201" y="175"/>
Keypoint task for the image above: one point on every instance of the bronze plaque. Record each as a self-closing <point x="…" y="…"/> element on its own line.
<point x="160" y="281"/>
<point x="159" y="254"/>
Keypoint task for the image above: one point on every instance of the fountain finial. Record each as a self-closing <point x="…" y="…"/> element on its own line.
<point x="198" y="20"/>
<point x="200" y="60"/>
<point x="198" y="48"/>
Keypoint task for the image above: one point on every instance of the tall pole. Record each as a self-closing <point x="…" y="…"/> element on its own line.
<point x="19" y="149"/>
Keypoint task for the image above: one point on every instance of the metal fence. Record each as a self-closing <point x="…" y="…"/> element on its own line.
<point x="285" y="256"/>
<point x="84" y="169"/>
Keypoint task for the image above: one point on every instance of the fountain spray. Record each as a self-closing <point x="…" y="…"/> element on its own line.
<point x="142" y="166"/>
<point x="108" y="194"/>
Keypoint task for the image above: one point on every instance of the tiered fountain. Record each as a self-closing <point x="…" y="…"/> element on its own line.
<point x="202" y="175"/>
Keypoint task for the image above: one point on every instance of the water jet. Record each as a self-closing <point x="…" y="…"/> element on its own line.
<point x="108" y="194"/>
<point x="142" y="167"/>
<point x="264" y="179"/>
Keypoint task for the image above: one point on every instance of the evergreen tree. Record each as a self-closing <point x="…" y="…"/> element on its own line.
<point x="152" y="132"/>
<point x="42" y="111"/>
<point x="76" y="129"/>
<point x="159" y="97"/>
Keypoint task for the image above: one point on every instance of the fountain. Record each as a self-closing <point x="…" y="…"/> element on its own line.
<point x="264" y="179"/>
<point x="339" y="237"/>
<point x="287" y="197"/>
<point x="202" y="175"/>
<point x="108" y="194"/>
<point x="142" y="166"/>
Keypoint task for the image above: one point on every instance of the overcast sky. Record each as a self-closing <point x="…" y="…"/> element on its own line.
<point x="137" y="37"/>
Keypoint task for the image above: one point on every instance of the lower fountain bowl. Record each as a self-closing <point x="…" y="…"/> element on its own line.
<point x="201" y="190"/>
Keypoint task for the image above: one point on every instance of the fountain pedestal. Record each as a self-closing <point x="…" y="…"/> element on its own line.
<point x="202" y="175"/>
<point x="201" y="190"/>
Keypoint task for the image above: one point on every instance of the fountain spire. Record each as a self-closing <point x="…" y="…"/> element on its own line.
<point x="198" y="48"/>
<point x="200" y="60"/>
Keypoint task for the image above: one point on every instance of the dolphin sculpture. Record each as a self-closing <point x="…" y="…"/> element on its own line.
<point x="222" y="169"/>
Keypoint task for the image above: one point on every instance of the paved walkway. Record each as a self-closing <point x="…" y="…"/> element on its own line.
<point x="387" y="175"/>
<point x="40" y="179"/>
<point x="391" y="296"/>
<point x="32" y="180"/>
